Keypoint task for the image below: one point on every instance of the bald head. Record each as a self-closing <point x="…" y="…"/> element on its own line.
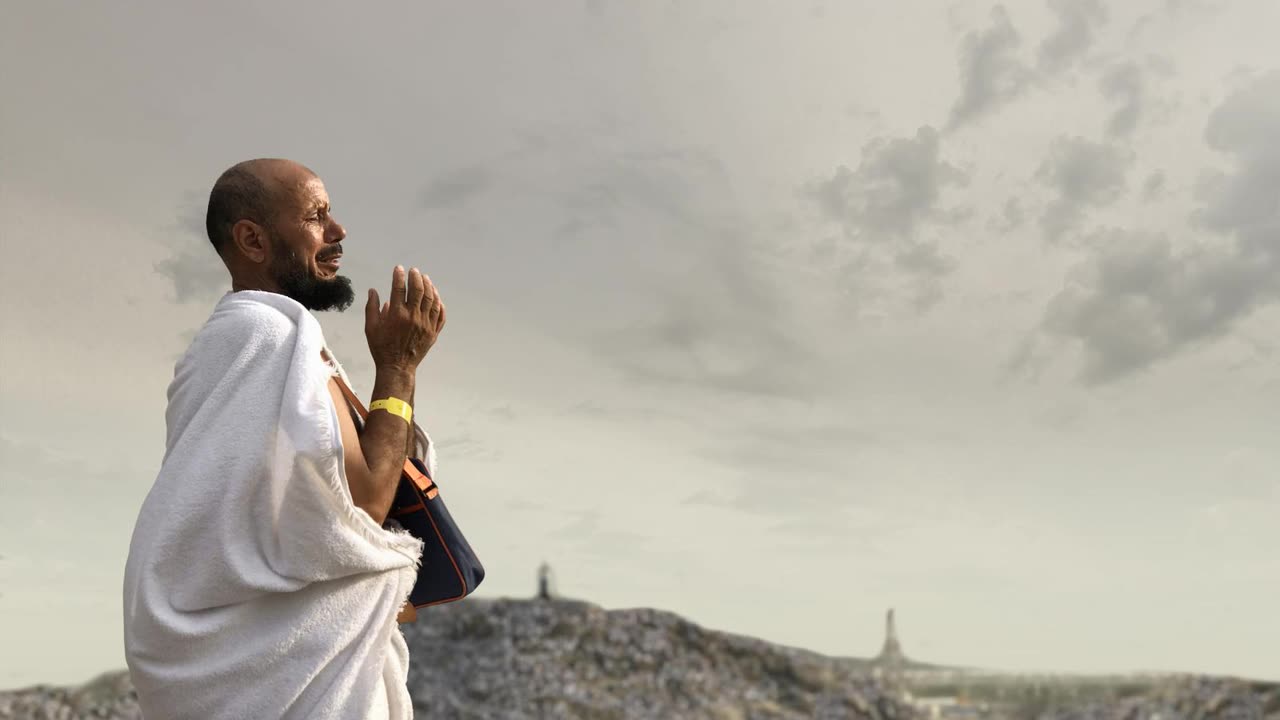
<point x="251" y="190"/>
<point x="270" y="221"/>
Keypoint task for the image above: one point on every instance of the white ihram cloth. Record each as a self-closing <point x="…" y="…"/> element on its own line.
<point x="254" y="587"/>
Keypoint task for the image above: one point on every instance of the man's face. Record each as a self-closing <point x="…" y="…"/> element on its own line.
<point x="305" y="246"/>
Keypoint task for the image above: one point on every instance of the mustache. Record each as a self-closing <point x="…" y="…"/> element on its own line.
<point x="330" y="255"/>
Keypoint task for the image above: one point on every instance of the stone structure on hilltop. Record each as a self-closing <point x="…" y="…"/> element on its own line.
<point x="891" y="661"/>
<point x="892" y="650"/>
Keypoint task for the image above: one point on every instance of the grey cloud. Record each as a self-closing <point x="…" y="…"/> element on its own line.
<point x="1141" y="300"/>
<point x="1077" y="24"/>
<point x="924" y="259"/>
<point x="929" y="265"/>
<point x="1153" y="186"/>
<point x="726" y="326"/>
<point x="1082" y="174"/>
<point x="883" y="204"/>
<point x="683" y="288"/>
<point x="1244" y="202"/>
<point x="1123" y="86"/>
<point x="991" y="74"/>
<point x="718" y="317"/>
<point x="456" y="187"/>
<point x="1012" y="216"/>
<point x="193" y="266"/>
<point x="896" y="188"/>
<point x="1127" y="86"/>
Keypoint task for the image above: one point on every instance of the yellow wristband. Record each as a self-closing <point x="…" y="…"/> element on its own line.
<point x="395" y="406"/>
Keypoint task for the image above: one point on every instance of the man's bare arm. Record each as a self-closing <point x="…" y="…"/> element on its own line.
<point x="399" y="335"/>
<point x="410" y="444"/>
<point x="383" y="447"/>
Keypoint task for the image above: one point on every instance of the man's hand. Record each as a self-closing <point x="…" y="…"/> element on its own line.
<point x="405" y="328"/>
<point x="399" y="333"/>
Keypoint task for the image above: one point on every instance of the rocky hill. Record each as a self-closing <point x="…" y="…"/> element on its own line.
<point x="515" y="659"/>
<point x="1179" y="698"/>
<point x="483" y="659"/>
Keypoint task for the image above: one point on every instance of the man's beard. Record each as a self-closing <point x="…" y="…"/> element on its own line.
<point x="295" y="280"/>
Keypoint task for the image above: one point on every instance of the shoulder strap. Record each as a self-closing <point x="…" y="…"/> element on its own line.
<point x="424" y="482"/>
<point x="346" y="389"/>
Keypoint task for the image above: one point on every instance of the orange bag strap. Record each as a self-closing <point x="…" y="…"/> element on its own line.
<point x="423" y="482"/>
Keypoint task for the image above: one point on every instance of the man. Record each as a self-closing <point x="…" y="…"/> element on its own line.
<point x="260" y="581"/>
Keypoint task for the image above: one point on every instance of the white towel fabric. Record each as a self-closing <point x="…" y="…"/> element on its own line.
<point x="254" y="587"/>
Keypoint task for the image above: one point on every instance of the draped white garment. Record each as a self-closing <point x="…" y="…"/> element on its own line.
<point x="254" y="587"/>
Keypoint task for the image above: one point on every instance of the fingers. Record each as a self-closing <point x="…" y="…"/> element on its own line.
<point x="417" y="288"/>
<point x="430" y="297"/>
<point x="397" y="286"/>
<point x="371" y="309"/>
<point x="421" y="293"/>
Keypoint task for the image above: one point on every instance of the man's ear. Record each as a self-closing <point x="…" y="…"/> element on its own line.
<point x="250" y="240"/>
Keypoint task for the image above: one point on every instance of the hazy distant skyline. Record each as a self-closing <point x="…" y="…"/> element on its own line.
<point x="774" y="315"/>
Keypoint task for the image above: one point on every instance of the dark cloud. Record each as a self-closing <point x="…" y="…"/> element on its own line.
<point x="1127" y="87"/>
<point x="895" y="188"/>
<point x="882" y="206"/>
<point x="1077" y="24"/>
<point x="713" y="312"/>
<point x="1141" y="299"/>
<point x="456" y="187"/>
<point x="991" y="74"/>
<point x="724" y="325"/>
<point x="1243" y="202"/>
<point x="1082" y="174"/>
<point x="642" y="257"/>
<point x="1122" y="85"/>
<point x="1153" y="186"/>
<point x="1011" y="217"/>
<point x="193" y="266"/>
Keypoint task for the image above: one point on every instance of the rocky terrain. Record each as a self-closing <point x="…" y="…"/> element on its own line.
<point x="514" y="659"/>
<point x="535" y="659"/>
<point x="1182" y="698"/>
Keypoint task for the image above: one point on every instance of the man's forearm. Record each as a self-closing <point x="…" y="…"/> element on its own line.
<point x="410" y="445"/>
<point x="383" y="441"/>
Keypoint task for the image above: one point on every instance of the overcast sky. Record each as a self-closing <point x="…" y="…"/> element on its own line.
<point x="775" y="315"/>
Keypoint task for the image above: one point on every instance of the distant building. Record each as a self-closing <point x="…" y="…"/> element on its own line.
<point x="891" y="662"/>
<point x="891" y="653"/>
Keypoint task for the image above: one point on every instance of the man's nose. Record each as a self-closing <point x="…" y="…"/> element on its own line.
<point x="336" y="231"/>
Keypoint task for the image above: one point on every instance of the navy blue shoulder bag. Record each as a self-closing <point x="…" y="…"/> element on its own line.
<point x="450" y="569"/>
